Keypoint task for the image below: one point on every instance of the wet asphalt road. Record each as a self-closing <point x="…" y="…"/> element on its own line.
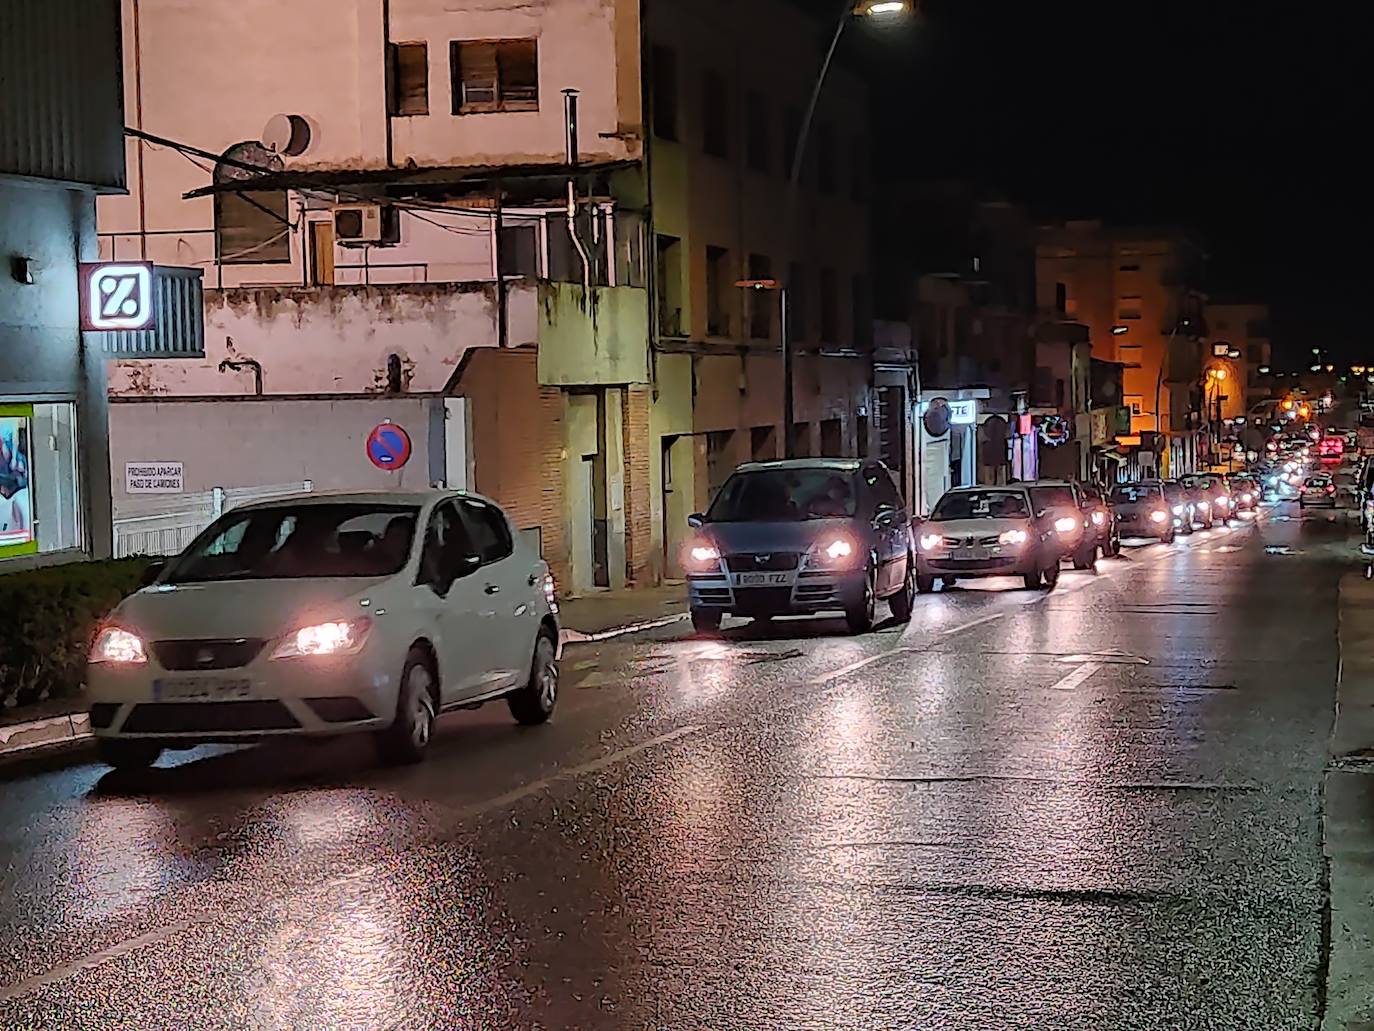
<point x="1097" y="808"/>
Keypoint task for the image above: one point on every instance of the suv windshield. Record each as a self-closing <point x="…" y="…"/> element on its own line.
<point x="1130" y="493"/>
<point x="1053" y="497"/>
<point x="290" y="542"/>
<point x="982" y="504"/>
<point x="785" y="496"/>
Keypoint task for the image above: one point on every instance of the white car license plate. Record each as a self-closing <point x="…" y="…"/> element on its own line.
<point x="763" y="579"/>
<point x="201" y="689"/>
<point x="971" y="554"/>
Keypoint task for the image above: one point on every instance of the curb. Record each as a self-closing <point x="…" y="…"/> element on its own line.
<point x="44" y="733"/>
<point x="578" y="637"/>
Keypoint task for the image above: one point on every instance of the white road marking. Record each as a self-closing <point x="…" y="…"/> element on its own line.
<point x="1077" y="677"/>
<point x="969" y="626"/>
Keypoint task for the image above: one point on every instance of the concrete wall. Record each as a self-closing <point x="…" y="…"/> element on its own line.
<point x="601" y="337"/>
<point x="335" y="339"/>
<point x="212" y="76"/>
<point x="245" y="442"/>
<point x="43" y="356"/>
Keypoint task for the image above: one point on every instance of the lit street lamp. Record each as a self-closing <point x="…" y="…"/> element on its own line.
<point x="879" y="9"/>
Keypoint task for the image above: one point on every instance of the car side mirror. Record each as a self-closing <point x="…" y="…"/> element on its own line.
<point x="885" y="519"/>
<point x="696" y="520"/>
<point x="151" y="574"/>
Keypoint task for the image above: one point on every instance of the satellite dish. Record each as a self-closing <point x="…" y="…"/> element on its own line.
<point x="936" y="419"/>
<point x="286" y="134"/>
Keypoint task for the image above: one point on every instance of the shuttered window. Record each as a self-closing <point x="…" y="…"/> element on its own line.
<point x="408" y="78"/>
<point x="500" y="75"/>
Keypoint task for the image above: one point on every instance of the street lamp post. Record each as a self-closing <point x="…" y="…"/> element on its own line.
<point x="866" y="8"/>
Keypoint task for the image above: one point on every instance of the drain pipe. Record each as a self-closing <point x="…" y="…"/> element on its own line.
<point x="570" y="154"/>
<point x="238" y="365"/>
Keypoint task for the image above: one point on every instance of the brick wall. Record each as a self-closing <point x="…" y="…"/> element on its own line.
<point x="642" y="565"/>
<point x="517" y="443"/>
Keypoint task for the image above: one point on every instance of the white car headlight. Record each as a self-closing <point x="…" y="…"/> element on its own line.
<point x="118" y="647"/>
<point x="703" y="554"/>
<point x="340" y="637"/>
<point x="1158" y="515"/>
<point x="837" y="549"/>
<point x="1247" y="498"/>
<point x="930" y="541"/>
<point x="1066" y="525"/>
<point x="1099" y="518"/>
<point x="1013" y="537"/>
<point x="1178" y="510"/>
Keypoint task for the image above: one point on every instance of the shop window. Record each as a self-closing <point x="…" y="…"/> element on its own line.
<point x="40" y="496"/>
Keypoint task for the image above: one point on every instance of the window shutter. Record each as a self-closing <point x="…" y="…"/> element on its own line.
<point x="476" y="73"/>
<point x="518" y="72"/>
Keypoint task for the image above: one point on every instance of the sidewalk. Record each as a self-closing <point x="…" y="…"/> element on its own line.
<point x="1348" y="830"/>
<point x="594" y="617"/>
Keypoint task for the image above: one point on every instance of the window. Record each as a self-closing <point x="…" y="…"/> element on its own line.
<point x="669" y="270"/>
<point x="629" y="248"/>
<point x="251" y="226"/>
<point x="715" y="115"/>
<point x="519" y="250"/>
<point x="407" y="79"/>
<point x="446" y="548"/>
<point x="825" y="159"/>
<point x="862" y="311"/>
<point x="798" y="302"/>
<point x="759" y="138"/>
<point x="791" y="131"/>
<point x="1130" y="268"/>
<point x="1128" y="308"/>
<point x="761" y="301"/>
<point x="859" y="183"/>
<point x="832" y="438"/>
<point x="1061" y="298"/>
<point x="40" y="499"/>
<point x="664" y="97"/>
<point x="1135" y="403"/>
<point x="830" y="307"/>
<point x="501" y="75"/>
<point x="719" y="290"/>
<point x="487" y="530"/>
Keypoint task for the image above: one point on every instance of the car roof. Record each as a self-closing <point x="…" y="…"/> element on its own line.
<point x="970" y="487"/>
<point x="847" y="465"/>
<point x="418" y="497"/>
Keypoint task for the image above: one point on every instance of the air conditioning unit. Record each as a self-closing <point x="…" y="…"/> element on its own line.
<point x="358" y="223"/>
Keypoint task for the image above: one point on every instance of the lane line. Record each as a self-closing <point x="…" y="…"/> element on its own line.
<point x="969" y="626"/>
<point x="1077" y="677"/>
<point x="32" y="984"/>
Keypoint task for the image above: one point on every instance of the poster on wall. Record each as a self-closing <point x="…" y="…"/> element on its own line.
<point x="16" y="504"/>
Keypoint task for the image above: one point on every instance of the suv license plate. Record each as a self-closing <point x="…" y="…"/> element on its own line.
<point x="763" y="579"/>
<point x="200" y="689"/>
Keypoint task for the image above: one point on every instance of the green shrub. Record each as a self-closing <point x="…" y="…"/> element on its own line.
<point x="50" y="615"/>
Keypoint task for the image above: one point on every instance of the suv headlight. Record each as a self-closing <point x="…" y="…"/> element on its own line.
<point x="340" y="637"/>
<point x="835" y="552"/>
<point x="118" y="647"/>
<point x="1013" y="537"/>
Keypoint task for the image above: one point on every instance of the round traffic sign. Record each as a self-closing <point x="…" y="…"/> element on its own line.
<point x="388" y="446"/>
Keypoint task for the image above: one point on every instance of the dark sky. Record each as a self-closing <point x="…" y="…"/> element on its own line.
<point x="1245" y="121"/>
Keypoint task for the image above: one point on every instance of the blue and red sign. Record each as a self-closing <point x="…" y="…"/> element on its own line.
<point x="388" y="446"/>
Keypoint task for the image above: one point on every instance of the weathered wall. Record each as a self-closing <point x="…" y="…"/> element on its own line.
<point x="245" y="442"/>
<point x="601" y="337"/>
<point x="335" y="339"/>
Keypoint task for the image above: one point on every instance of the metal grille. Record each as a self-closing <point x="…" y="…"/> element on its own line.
<point x="208" y="717"/>
<point x="178" y="323"/>
<point x="190" y="655"/>
<point x="762" y="599"/>
<point x="764" y="562"/>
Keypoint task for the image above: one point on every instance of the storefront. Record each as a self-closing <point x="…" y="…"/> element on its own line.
<point x="40" y="486"/>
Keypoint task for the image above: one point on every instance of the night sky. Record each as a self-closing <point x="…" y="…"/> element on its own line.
<point x="1244" y="121"/>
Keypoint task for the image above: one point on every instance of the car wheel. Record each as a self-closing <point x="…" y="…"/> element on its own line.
<point x="1086" y="560"/>
<point x="859" y="616"/>
<point x="128" y="755"/>
<point x="901" y="603"/>
<point x="1051" y="576"/>
<point x="949" y="581"/>
<point x="406" y="740"/>
<point x="706" y="621"/>
<point x="925" y="584"/>
<point x="1169" y="537"/>
<point x="1032" y="579"/>
<point x="533" y="704"/>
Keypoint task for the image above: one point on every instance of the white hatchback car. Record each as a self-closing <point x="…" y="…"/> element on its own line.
<point x="328" y="614"/>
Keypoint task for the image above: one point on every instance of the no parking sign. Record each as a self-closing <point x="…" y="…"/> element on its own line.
<point x="388" y="446"/>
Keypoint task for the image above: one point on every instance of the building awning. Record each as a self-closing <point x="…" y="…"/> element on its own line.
<point x="461" y="177"/>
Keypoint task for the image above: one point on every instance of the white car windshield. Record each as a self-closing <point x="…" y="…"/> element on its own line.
<point x="1130" y="493"/>
<point x="291" y="542"/>
<point x="982" y="504"/>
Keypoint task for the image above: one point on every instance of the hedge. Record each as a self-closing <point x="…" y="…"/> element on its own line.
<point x="49" y="617"/>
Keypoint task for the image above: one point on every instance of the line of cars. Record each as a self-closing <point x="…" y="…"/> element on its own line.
<point x="805" y="536"/>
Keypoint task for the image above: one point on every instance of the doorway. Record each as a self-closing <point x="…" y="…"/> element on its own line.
<point x="322" y="253"/>
<point x="679" y="500"/>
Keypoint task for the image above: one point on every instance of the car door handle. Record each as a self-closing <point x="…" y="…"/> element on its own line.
<point x="492" y="589"/>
